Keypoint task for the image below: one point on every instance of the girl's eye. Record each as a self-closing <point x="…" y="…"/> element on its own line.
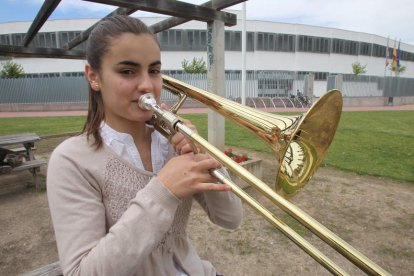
<point x="127" y="72"/>
<point x="155" y="71"/>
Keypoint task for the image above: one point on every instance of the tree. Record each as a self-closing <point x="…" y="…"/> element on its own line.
<point x="195" y="66"/>
<point x="400" y="69"/>
<point x="12" y="70"/>
<point x="358" y="68"/>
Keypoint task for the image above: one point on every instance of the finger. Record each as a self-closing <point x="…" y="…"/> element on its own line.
<point x="186" y="148"/>
<point x="177" y="138"/>
<point x="208" y="164"/>
<point x="207" y="187"/>
<point x="181" y="144"/>
<point x="189" y="148"/>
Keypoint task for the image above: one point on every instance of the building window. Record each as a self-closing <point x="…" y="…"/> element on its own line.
<point x="284" y="43"/>
<point x="172" y="40"/>
<point x="190" y="40"/>
<point x="259" y="41"/>
<point x="351" y="47"/>
<point x="404" y="55"/>
<point x="44" y="40"/>
<point x="337" y="46"/>
<point x="313" y="44"/>
<point x="275" y="42"/>
<point x="65" y="37"/>
<point x="5" y="39"/>
<point x="378" y="50"/>
<point x="365" y="49"/>
<point x="250" y="41"/>
<point x="232" y="41"/>
<point x="17" y="39"/>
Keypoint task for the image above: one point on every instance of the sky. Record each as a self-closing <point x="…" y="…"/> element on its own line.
<point x="393" y="19"/>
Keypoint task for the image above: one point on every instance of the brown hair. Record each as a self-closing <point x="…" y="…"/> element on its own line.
<point x="97" y="46"/>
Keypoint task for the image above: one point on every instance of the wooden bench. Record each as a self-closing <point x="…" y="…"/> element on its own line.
<point x="21" y="158"/>
<point x="33" y="166"/>
<point x="52" y="269"/>
<point x="23" y="150"/>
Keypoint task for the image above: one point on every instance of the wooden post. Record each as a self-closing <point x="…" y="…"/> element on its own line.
<point x="215" y="80"/>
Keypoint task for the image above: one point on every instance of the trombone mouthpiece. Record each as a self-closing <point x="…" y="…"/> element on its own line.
<point x="147" y="101"/>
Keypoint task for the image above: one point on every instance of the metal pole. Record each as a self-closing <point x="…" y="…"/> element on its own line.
<point x="243" y="96"/>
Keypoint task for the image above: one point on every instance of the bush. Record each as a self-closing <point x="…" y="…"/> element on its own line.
<point x="11" y="70"/>
<point x="195" y="66"/>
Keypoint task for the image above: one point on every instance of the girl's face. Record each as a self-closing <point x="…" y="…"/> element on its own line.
<point x="131" y="68"/>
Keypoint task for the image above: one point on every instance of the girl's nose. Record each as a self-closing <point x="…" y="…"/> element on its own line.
<point x="145" y="83"/>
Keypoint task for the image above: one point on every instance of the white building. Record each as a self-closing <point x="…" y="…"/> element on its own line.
<point x="274" y="47"/>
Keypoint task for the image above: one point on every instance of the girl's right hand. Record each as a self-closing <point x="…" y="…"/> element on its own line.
<point x="189" y="174"/>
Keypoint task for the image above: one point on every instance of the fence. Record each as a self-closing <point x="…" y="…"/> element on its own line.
<point x="263" y="89"/>
<point x="43" y="90"/>
<point x="262" y="84"/>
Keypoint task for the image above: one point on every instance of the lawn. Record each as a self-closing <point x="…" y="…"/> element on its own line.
<point x="379" y="143"/>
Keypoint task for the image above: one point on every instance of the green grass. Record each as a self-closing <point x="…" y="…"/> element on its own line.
<point x="43" y="126"/>
<point x="376" y="143"/>
<point x="379" y="143"/>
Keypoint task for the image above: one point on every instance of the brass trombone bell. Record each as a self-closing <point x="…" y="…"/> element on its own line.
<point x="299" y="142"/>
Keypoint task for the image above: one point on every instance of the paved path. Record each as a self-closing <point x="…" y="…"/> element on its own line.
<point x="196" y="110"/>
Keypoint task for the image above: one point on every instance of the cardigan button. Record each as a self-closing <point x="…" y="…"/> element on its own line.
<point x="169" y="250"/>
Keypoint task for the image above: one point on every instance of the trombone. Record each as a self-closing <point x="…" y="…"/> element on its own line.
<point x="299" y="143"/>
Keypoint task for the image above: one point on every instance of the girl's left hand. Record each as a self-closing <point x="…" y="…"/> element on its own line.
<point x="178" y="140"/>
<point x="181" y="144"/>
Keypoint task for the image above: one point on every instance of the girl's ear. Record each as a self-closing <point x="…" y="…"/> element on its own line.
<point x="92" y="77"/>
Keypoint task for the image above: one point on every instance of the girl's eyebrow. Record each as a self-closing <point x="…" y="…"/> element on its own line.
<point x="135" y="64"/>
<point x="157" y="62"/>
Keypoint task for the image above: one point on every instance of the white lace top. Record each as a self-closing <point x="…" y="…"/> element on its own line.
<point x="123" y="145"/>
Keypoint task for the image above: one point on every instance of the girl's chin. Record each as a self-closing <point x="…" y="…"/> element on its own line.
<point x="144" y="116"/>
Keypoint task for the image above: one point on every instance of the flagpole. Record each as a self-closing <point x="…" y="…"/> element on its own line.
<point x="387" y="54"/>
<point x="243" y="96"/>
<point x="398" y="57"/>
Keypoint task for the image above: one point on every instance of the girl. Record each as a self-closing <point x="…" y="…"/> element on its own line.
<point x="118" y="195"/>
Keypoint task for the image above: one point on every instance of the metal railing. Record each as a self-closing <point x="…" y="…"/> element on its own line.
<point x="263" y="89"/>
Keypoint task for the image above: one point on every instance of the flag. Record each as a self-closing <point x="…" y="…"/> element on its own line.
<point x="394" y="57"/>
<point x="387" y="53"/>
<point x="398" y="54"/>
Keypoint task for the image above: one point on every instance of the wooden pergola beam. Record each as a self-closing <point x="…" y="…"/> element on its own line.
<point x="175" y="21"/>
<point x="85" y="34"/>
<point x="33" y="52"/>
<point x="175" y="8"/>
<point x="45" y="11"/>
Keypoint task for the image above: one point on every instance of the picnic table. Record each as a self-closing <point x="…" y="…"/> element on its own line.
<point x="19" y="150"/>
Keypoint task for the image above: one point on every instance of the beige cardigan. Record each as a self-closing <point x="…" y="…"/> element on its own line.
<point x="112" y="219"/>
